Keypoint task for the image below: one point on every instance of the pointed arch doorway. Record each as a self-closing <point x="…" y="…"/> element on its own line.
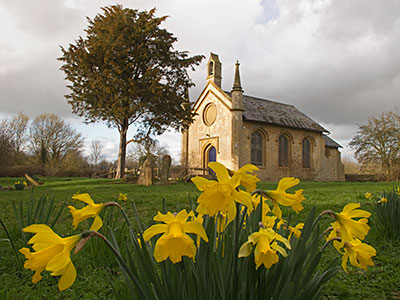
<point x="210" y="155"/>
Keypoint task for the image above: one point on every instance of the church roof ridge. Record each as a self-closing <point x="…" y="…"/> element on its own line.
<point x="277" y="113"/>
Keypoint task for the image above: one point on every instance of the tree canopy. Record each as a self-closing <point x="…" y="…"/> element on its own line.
<point x="378" y="141"/>
<point x="126" y="71"/>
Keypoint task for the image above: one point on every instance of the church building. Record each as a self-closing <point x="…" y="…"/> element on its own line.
<point x="235" y="129"/>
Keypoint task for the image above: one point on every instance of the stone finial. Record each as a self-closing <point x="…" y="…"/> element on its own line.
<point x="237" y="86"/>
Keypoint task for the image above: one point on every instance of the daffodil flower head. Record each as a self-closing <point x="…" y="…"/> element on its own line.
<point x="51" y="253"/>
<point x="266" y="247"/>
<point x="296" y="231"/>
<point x="279" y="196"/>
<point x="123" y="197"/>
<point x="349" y="228"/>
<point x="383" y="200"/>
<point x="368" y="195"/>
<point x="272" y="222"/>
<point x="175" y="243"/>
<point x="92" y="210"/>
<point x="360" y="254"/>
<point x="220" y="196"/>
<point x="248" y="180"/>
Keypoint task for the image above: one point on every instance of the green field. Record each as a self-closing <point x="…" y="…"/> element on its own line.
<point x="99" y="276"/>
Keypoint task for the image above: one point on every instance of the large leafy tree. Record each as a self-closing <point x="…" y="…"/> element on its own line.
<point x="378" y="141"/>
<point x="126" y="71"/>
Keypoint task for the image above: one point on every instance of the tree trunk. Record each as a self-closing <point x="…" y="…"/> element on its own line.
<point x="122" y="151"/>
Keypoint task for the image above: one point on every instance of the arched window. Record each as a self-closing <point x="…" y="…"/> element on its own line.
<point x="210" y="68"/>
<point x="283" y="160"/>
<point x="306" y="153"/>
<point x="257" y="148"/>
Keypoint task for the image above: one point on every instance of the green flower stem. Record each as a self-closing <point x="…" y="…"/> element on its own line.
<point x="12" y="244"/>
<point x="236" y="252"/>
<point x="122" y="211"/>
<point x="120" y="260"/>
<point x="327" y="242"/>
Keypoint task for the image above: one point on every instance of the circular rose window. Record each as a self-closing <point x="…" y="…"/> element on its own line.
<point x="210" y="114"/>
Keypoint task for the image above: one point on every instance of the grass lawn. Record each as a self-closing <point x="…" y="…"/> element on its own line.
<point x="98" y="275"/>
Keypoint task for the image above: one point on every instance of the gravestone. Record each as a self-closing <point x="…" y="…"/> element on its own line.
<point x="165" y="168"/>
<point x="146" y="174"/>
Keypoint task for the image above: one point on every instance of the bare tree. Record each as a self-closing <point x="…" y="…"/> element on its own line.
<point x="19" y="134"/>
<point x="6" y="149"/>
<point x="96" y="152"/>
<point x="51" y="139"/>
<point x="378" y="141"/>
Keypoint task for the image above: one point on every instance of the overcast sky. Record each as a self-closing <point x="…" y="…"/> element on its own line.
<point x="338" y="61"/>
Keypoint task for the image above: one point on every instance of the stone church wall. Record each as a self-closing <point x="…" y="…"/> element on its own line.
<point x="270" y="169"/>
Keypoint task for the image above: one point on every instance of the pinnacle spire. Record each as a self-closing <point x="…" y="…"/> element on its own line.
<point x="236" y="83"/>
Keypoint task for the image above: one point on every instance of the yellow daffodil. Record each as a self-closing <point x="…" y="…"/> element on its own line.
<point x="266" y="247"/>
<point x="360" y="254"/>
<point x="122" y="197"/>
<point x="220" y="196"/>
<point x="92" y="210"/>
<point x="279" y="196"/>
<point x="296" y="231"/>
<point x="398" y="191"/>
<point x="368" y="195"/>
<point x="248" y="180"/>
<point x="383" y="200"/>
<point x="272" y="222"/>
<point x="175" y="242"/>
<point x="52" y="253"/>
<point x="347" y="228"/>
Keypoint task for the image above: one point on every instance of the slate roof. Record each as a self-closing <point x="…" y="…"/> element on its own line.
<point x="276" y="113"/>
<point x="330" y="143"/>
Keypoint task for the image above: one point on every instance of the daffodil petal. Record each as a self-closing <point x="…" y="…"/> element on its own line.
<point x="287" y="182"/>
<point x="201" y="182"/>
<point x="350" y="206"/>
<point x="245" y="250"/>
<point x="35" y="228"/>
<point x="220" y="170"/>
<point x="97" y="223"/>
<point x="243" y="198"/>
<point x="247" y="168"/>
<point x="197" y="228"/>
<point x="166" y="218"/>
<point x="154" y="230"/>
<point x="68" y="278"/>
<point x="182" y="216"/>
<point x="85" y="197"/>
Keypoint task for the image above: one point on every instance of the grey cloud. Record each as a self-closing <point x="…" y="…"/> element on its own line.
<point x="46" y="19"/>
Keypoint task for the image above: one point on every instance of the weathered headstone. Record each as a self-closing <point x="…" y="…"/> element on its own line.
<point x="165" y="168"/>
<point x="111" y="173"/>
<point x="146" y="174"/>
